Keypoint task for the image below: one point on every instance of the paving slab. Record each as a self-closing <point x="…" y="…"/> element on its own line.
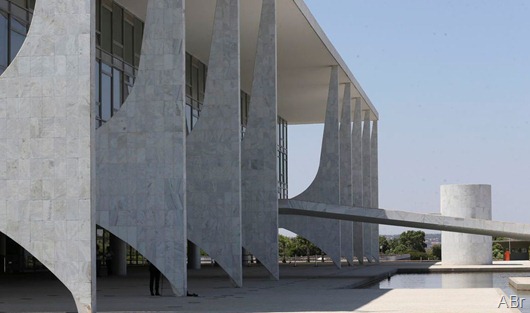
<point x="304" y="288"/>
<point x="520" y="283"/>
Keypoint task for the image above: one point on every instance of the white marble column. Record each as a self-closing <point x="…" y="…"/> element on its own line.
<point x="141" y="151"/>
<point x="214" y="151"/>
<point x="374" y="186"/>
<point x="46" y="145"/>
<point x="324" y="233"/>
<point x="357" y="180"/>
<point x="346" y="197"/>
<point x="367" y="181"/>
<point x="259" y="164"/>
<point x="466" y="201"/>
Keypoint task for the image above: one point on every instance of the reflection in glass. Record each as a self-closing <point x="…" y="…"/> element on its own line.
<point x="16" y="43"/>
<point x="106" y="96"/>
<point x="106" y="26"/>
<point x="116" y="89"/>
<point x="3" y="41"/>
<point x="15" y="17"/>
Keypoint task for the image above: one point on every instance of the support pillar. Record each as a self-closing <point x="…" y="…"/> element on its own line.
<point x="194" y="256"/>
<point x="374" y="185"/>
<point x="367" y="193"/>
<point x="141" y="151"/>
<point x="357" y="180"/>
<point x="213" y="150"/>
<point x="324" y="233"/>
<point x="346" y="227"/>
<point x="46" y="196"/>
<point x="119" y="255"/>
<point x="467" y="201"/>
<point x="259" y="164"/>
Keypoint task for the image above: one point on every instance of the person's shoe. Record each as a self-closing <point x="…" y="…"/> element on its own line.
<point x="152" y="293"/>
<point x="157" y="294"/>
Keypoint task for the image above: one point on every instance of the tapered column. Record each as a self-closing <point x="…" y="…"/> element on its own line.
<point x="325" y="187"/>
<point x="141" y="151"/>
<point x="46" y="145"/>
<point x="357" y="179"/>
<point x="259" y="167"/>
<point x="214" y="151"/>
<point x="374" y="186"/>
<point x="346" y="197"/>
<point x="367" y="181"/>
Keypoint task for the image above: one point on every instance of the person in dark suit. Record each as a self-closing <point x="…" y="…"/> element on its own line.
<point x="154" y="278"/>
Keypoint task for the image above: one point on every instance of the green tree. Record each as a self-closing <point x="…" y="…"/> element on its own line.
<point x="302" y="246"/>
<point x="413" y="240"/>
<point x="285" y="247"/>
<point x="400" y="249"/>
<point x="497" y="251"/>
<point x="384" y="245"/>
<point x="437" y="251"/>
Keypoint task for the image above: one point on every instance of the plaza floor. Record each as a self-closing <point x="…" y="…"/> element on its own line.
<point x="304" y="288"/>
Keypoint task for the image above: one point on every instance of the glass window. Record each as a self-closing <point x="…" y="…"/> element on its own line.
<point x="128" y="42"/>
<point x="117" y="27"/>
<point x="3" y="5"/>
<point x="3" y="40"/>
<point x="117" y="23"/>
<point x="18" y="26"/>
<point x="96" y="84"/>
<point x="202" y="79"/>
<point x="106" y="24"/>
<point x="138" y="35"/>
<point x="16" y="42"/>
<point x="20" y="3"/>
<point x="116" y="89"/>
<point x="195" y="82"/>
<point x="19" y="12"/>
<point x="128" y="81"/>
<point x="106" y="92"/>
<point x="188" y="118"/>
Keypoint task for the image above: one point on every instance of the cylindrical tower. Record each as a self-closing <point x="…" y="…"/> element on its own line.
<point x="468" y="201"/>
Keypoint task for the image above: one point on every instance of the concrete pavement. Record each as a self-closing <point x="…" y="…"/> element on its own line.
<point x="303" y="288"/>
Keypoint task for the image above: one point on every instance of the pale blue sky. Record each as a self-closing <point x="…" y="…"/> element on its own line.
<point x="451" y="82"/>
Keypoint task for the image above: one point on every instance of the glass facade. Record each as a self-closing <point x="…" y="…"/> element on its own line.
<point x="118" y="43"/>
<point x="282" y="159"/>
<point x="15" y="18"/>
<point x="196" y="73"/>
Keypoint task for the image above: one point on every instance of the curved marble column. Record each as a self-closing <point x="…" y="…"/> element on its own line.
<point x="357" y="180"/>
<point x="214" y="151"/>
<point x="324" y="233"/>
<point x="367" y="193"/>
<point x="374" y="188"/>
<point x="141" y="151"/>
<point x="346" y="196"/>
<point x="259" y="165"/>
<point x="46" y="145"/>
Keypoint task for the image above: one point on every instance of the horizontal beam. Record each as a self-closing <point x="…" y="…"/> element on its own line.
<point x="408" y="219"/>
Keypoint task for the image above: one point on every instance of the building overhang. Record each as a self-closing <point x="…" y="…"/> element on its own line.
<point x="305" y="55"/>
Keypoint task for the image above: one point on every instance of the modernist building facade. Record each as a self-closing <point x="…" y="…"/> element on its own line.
<point x="165" y="123"/>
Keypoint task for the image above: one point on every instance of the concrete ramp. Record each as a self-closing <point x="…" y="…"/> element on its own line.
<point x="403" y="218"/>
